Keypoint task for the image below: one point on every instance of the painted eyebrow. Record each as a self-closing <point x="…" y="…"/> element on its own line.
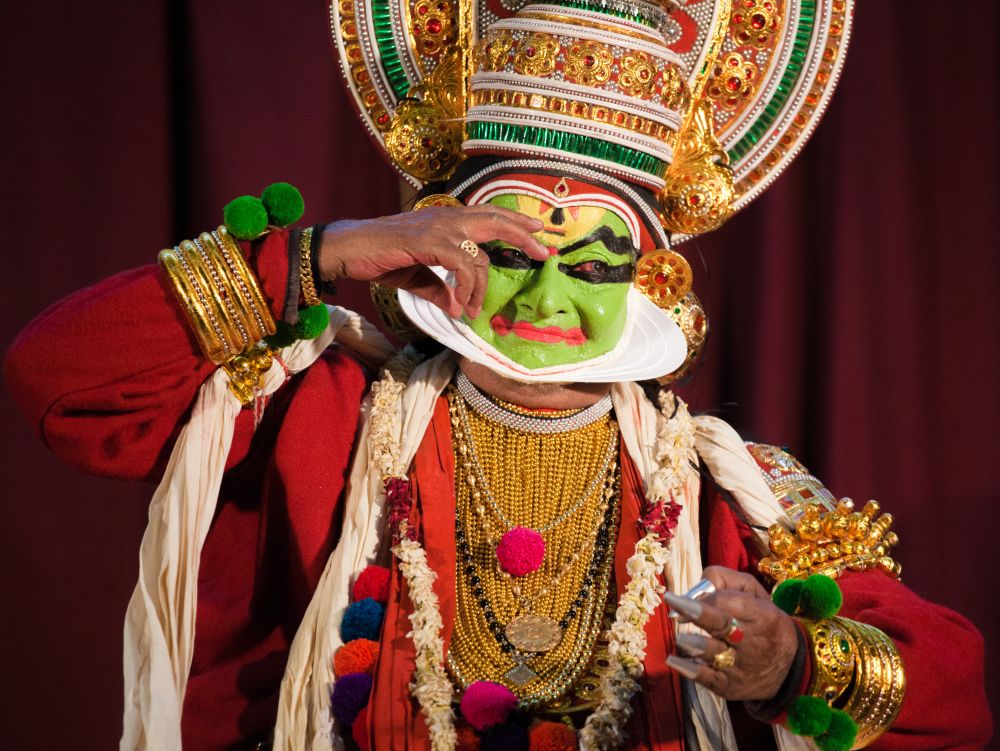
<point x="614" y="243"/>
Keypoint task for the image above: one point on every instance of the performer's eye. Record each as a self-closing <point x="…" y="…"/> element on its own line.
<point x="598" y="272"/>
<point x="508" y="257"/>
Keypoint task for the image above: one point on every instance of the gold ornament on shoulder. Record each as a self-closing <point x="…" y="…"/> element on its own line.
<point x="831" y="542"/>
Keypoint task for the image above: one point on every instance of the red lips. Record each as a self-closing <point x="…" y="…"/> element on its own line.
<point x="548" y="335"/>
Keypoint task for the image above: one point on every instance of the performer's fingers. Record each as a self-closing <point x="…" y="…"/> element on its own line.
<point x="727" y="578"/>
<point x="424" y="283"/>
<point x="702" y="648"/>
<point x="714" y="680"/>
<point x="700" y="612"/>
<point x="488" y="223"/>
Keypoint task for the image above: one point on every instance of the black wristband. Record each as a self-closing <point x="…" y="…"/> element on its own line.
<point x="769" y="709"/>
<point x="316" y="243"/>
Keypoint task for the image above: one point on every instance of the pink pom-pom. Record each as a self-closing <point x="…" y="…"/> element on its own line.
<point x="520" y="551"/>
<point x="372" y="582"/>
<point x="486" y="704"/>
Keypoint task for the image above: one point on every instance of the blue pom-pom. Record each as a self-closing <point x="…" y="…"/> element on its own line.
<point x="350" y="696"/>
<point x="362" y="620"/>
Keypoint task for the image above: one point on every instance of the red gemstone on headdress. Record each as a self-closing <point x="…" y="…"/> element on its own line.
<point x="644" y="74"/>
<point x="530" y="52"/>
<point x="733" y="83"/>
<point x="427" y="143"/>
<point x="660" y="278"/>
<point x="590" y="61"/>
<point x="422" y="10"/>
<point x="434" y="26"/>
<point x="758" y="21"/>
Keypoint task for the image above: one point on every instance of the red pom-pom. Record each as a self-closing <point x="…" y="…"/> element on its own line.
<point x="467" y="739"/>
<point x="359" y="730"/>
<point x="552" y="736"/>
<point x="521" y="551"/>
<point x="372" y="582"/>
<point x="486" y="704"/>
<point x="357" y="656"/>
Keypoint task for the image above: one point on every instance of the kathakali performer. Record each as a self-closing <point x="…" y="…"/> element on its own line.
<point x="519" y="538"/>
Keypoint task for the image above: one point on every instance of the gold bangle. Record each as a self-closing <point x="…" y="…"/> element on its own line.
<point x="833" y="658"/>
<point x="247" y="284"/>
<point x="193" y="303"/>
<point x="214" y="294"/>
<point x="308" y="284"/>
<point x="240" y="308"/>
<point x="879" y="681"/>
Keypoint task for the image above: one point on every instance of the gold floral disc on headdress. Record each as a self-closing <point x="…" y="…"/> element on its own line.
<point x="664" y="276"/>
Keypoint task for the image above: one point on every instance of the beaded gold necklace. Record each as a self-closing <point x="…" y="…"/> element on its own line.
<point x="532" y="480"/>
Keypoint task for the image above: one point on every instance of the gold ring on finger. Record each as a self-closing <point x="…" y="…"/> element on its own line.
<point x="725" y="659"/>
<point x="470" y="247"/>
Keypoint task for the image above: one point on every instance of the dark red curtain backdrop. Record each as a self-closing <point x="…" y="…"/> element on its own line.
<point x="854" y="307"/>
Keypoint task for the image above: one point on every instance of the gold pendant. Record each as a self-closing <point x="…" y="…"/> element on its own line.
<point x="533" y="633"/>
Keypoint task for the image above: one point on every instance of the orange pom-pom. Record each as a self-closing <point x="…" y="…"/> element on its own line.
<point x="552" y="736"/>
<point x="468" y="740"/>
<point x="357" y="656"/>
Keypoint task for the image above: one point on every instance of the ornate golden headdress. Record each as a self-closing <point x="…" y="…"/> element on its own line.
<point x="705" y="103"/>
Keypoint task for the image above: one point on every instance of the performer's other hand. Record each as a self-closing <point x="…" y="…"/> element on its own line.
<point x="396" y="251"/>
<point x="762" y="657"/>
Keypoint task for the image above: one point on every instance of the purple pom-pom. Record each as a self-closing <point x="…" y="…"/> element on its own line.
<point x="511" y="736"/>
<point x="350" y="696"/>
<point x="486" y="704"/>
<point x="521" y="551"/>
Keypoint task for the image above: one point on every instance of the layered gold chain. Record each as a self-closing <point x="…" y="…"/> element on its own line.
<point x="533" y="479"/>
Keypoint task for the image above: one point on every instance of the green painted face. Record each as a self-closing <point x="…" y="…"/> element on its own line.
<point x="569" y="308"/>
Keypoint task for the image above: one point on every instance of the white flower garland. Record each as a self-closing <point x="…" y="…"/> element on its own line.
<point x="627" y="646"/>
<point x="644" y="592"/>
<point x="432" y="688"/>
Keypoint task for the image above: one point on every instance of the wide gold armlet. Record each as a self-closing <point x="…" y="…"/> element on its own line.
<point x="856" y="668"/>
<point x="224" y="305"/>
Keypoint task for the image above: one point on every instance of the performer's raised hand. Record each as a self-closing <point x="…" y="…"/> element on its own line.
<point x="396" y="251"/>
<point x="751" y="643"/>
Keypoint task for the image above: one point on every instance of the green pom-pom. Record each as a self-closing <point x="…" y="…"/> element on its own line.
<point x="312" y="322"/>
<point x="786" y="595"/>
<point x="245" y="217"/>
<point x="284" y="203"/>
<point x="821" y="597"/>
<point x="284" y="336"/>
<point x="840" y="735"/>
<point x="809" y="716"/>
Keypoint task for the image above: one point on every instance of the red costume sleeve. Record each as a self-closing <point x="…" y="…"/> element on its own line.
<point x="108" y="374"/>
<point x="945" y="703"/>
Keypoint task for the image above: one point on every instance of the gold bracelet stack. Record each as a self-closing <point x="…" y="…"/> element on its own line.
<point x="224" y="306"/>
<point x="856" y="668"/>
<point x="308" y="284"/>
